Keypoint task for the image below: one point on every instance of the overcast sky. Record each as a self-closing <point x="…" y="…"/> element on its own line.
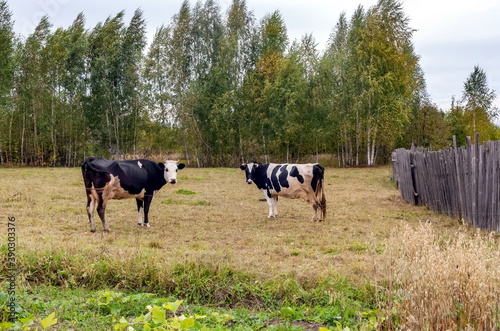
<point x="452" y="35"/>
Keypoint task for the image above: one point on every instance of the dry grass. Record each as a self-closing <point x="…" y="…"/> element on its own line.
<point x="370" y="236"/>
<point x="447" y="281"/>
<point x="223" y="223"/>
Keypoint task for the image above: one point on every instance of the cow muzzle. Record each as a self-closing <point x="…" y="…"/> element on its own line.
<point x="173" y="181"/>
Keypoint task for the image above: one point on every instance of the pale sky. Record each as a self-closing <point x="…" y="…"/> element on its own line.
<point x="452" y="35"/>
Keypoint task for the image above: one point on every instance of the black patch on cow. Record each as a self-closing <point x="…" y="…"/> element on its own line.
<point x="269" y="187"/>
<point x="258" y="175"/>
<point x="132" y="178"/>
<point x="283" y="177"/>
<point x="295" y="173"/>
<point x="274" y="178"/>
<point x="318" y="172"/>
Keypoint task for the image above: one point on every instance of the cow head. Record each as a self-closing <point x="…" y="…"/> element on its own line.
<point x="171" y="168"/>
<point x="250" y="171"/>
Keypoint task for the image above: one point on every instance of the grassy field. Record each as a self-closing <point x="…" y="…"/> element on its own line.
<point x="376" y="261"/>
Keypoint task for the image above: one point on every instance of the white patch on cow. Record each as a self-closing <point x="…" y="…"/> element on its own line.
<point x="139" y="164"/>
<point x="141" y="214"/>
<point x="116" y="191"/>
<point x="171" y="171"/>
<point x="249" y="169"/>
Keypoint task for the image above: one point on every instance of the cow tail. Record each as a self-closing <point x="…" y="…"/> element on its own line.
<point x="320" y="194"/>
<point x="88" y="172"/>
<point x="87" y="180"/>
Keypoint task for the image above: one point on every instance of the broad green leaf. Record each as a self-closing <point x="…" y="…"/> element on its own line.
<point x="173" y="306"/>
<point x="28" y="320"/>
<point x="187" y="323"/>
<point x="120" y="326"/>
<point x="158" y="315"/>
<point x="48" y="321"/>
<point x="288" y="311"/>
<point x="175" y="322"/>
<point x="6" y="325"/>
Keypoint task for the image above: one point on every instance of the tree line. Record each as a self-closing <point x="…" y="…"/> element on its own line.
<point x="221" y="87"/>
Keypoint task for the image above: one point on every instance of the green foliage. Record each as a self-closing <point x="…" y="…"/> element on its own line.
<point x="116" y="310"/>
<point x="428" y="128"/>
<point x="4" y="308"/>
<point x="6" y="53"/>
<point x="22" y="323"/>
<point x="478" y="113"/>
<point x="117" y="303"/>
<point x="156" y="319"/>
<point x="220" y="88"/>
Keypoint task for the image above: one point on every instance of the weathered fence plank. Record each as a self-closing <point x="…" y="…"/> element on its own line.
<point x="462" y="182"/>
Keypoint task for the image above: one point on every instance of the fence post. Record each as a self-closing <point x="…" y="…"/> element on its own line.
<point x="461" y="199"/>
<point x="413" y="179"/>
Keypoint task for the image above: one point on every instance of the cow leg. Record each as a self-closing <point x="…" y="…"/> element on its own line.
<point x="315" y="212"/>
<point x="275" y="205"/>
<point x="140" y="210"/>
<point x="101" y="210"/>
<point x="147" y="202"/>
<point x="90" y="210"/>
<point x="319" y="210"/>
<point x="269" y="203"/>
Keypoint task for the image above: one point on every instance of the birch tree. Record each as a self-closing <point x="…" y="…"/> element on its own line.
<point x="6" y="81"/>
<point x="478" y="106"/>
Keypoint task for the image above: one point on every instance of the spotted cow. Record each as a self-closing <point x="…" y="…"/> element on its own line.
<point x="304" y="181"/>
<point x="140" y="179"/>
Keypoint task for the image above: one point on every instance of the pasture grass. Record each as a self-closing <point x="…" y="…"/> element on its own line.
<point x="211" y="243"/>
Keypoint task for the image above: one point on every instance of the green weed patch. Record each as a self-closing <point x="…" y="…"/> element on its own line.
<point x="185" y="192"/>
<point x="83" y="309"/>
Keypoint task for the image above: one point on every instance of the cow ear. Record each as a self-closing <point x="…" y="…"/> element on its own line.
<point x="243" y="166"/>
<point x="161" y="165"/>
<point x="181" y="166"/>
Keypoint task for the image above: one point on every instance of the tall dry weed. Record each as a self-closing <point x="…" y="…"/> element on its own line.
<point x="433" y="281"/>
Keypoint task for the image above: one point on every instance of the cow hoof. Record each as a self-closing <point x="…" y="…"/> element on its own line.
<point x="92" y="230"/>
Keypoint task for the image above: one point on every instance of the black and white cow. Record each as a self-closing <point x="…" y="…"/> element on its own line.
<point x="293" y="181"/>
<point x="140" y="179"/>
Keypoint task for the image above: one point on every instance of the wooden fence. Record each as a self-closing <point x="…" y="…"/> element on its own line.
<point x="461" y="182"/>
